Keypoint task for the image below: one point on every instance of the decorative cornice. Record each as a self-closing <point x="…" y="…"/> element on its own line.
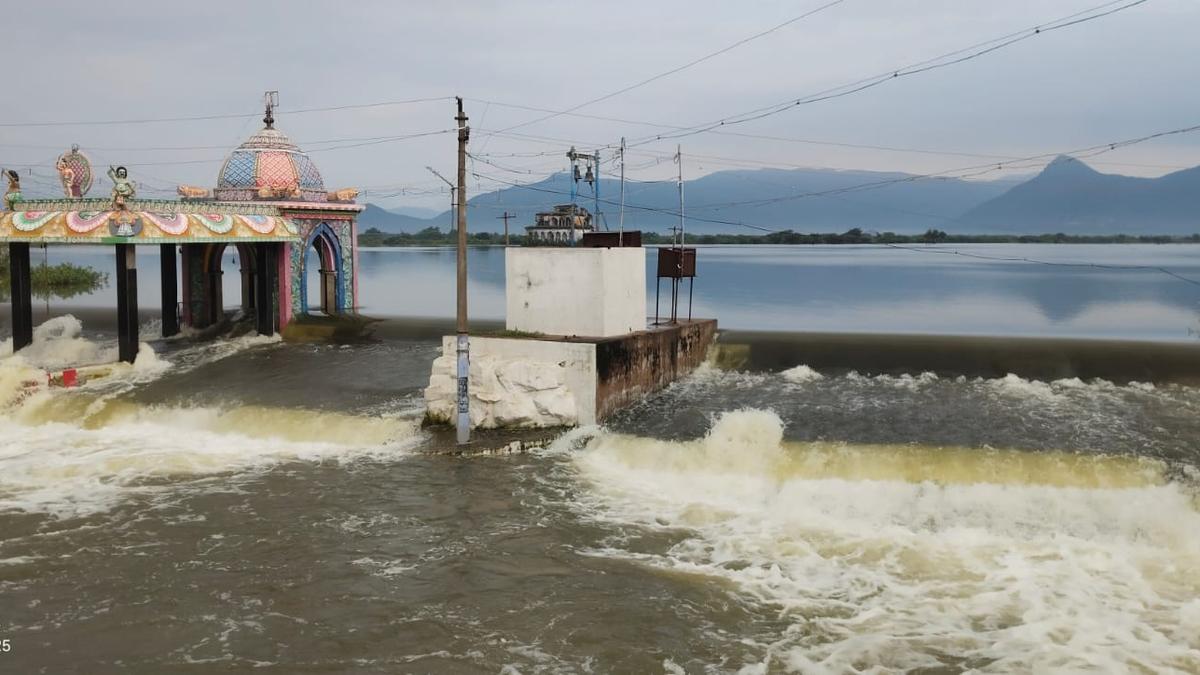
<point x="152" y="206"/>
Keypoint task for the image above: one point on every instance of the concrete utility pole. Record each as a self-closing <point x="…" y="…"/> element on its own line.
<point x="505" y="217"/>
<point x="464" y="356"/>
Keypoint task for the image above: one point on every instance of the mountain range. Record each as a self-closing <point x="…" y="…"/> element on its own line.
<point x="1067" y="196"/>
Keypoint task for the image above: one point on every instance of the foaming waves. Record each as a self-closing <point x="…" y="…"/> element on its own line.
<point x="907" y="557"/>
<point x="1009" y="385"/>
<point x="58" y="344"/>
<point x="91" y="459"/>
<point x="801" y="373"/>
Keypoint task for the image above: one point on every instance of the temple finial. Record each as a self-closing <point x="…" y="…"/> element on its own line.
<point x="270" y="100"/>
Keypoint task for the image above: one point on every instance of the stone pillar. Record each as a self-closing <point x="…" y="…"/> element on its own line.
<point x="127" y="308"/>
<point x="264" y="287"/>
<point x="248" y="281"/>
<point x="22" y="295"/>
<point x="170" y="291"/>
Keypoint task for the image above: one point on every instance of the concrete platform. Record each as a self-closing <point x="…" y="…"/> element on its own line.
<point x="522" y="380"/>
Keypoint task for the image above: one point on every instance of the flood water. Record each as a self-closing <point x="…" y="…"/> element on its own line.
<point x="919" y="289"/>
<point x="247" y="505"/>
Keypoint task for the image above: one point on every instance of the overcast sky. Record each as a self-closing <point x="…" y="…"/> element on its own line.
<point x="1118" y="77"/>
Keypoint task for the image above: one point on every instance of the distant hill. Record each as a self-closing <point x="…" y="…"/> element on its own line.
<point x="414" y="211"/>
<point x="389" y="221"/>
<point x="899" y="207"/>
<point x="1070" y="197"/>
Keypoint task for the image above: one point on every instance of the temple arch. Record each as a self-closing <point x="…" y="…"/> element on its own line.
<point x="214" y="275"/>
<point x="324" y="250"/>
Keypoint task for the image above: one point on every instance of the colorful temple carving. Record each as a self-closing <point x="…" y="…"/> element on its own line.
<point x="269" y="201"/>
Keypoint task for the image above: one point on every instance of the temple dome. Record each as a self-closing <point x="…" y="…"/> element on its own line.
<point x="269" y="166"/>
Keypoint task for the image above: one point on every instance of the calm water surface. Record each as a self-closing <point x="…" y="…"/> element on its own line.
<point x="247" y="505"/>
<point x="819" y="288"/>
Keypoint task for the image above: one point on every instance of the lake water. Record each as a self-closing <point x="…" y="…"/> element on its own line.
<point x="249" y="505"/>
<point x="819" y="288"/>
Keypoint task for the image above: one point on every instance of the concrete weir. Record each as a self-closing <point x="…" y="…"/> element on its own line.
<point x="576" y="346"/>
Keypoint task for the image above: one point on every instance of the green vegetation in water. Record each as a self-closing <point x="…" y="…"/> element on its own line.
<point x="63" y="281"/>
<point x="432" y="236"/>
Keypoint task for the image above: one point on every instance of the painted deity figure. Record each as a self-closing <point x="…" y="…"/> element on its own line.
<point x="13" y="195"/>
<point x="123" y="188"/>
<point x="67" y="175"/>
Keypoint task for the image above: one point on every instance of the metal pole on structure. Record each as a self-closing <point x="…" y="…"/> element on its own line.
<point x="505" y="218"/>
<point x="464" y="356"/>
<point x="574" y="180"/>
<point x="621" y="217"/>
<point x="679" y="161"/>
<point x="596" y="190"/>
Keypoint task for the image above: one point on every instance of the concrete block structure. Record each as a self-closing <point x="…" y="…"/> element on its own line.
<point x="556" y="382"/>
<point x="585" y="349"/>
<point x="593" y="292"/>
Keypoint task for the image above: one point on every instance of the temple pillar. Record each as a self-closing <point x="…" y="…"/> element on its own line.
<point x="247" y="271"/>
<point x="22" y="295"/>
<point x="170" y="290"/>
<point x="127" y="308"/>
<point x="216" y="293"/>
<point x="264" y="287"/>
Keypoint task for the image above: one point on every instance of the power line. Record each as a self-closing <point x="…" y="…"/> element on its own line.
<point x="767" y="137"/>
<point x="638" y="207"/>
<point x="683" y="67"/>
<point x="194" y="118"/>
<point x="948" y="59"/>
<point x="980" y="169"/>
<point x="213" y="160"/>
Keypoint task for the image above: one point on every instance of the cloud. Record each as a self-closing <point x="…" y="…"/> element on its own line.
<point x="1110" y="79"/>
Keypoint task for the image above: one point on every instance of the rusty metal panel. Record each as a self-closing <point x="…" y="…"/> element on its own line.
<point x="676" y="263"/>
<point x="631" y="239"/>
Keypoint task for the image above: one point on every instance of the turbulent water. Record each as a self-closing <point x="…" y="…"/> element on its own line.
<point x="247" y="504"/>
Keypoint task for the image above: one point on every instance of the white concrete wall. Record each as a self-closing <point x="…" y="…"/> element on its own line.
<point x="517" y="383"/>
<point x="591" y="292"/>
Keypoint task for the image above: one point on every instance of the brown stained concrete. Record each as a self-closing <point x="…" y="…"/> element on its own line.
<point x="631" y="366"/>
<point x="1118" y="361"/>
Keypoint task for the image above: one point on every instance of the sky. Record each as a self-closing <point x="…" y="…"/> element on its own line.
<point x="1123" y="76"/>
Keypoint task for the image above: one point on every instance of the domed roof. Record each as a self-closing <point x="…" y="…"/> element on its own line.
<point x="269" y="166"/>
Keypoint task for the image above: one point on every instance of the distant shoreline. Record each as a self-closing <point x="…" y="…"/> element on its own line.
<point x="373" y="238"/>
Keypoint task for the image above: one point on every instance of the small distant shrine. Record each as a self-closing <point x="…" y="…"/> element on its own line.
<point x="565" y="224"/>
<point x="269" y="201"/>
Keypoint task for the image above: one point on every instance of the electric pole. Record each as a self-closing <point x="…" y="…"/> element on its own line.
<point x="505" y="217"/>
<point x="464" y="357"/>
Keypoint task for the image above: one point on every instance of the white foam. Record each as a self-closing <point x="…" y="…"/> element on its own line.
<point x="1047" y="574"/>
<point x="57" y="344"/>
<point x="78" y="451"/>
<point x="800" y="374"/>
<point x="74" y="469"/>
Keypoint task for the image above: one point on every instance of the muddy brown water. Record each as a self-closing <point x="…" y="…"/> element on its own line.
<point x="249" y="505"/>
